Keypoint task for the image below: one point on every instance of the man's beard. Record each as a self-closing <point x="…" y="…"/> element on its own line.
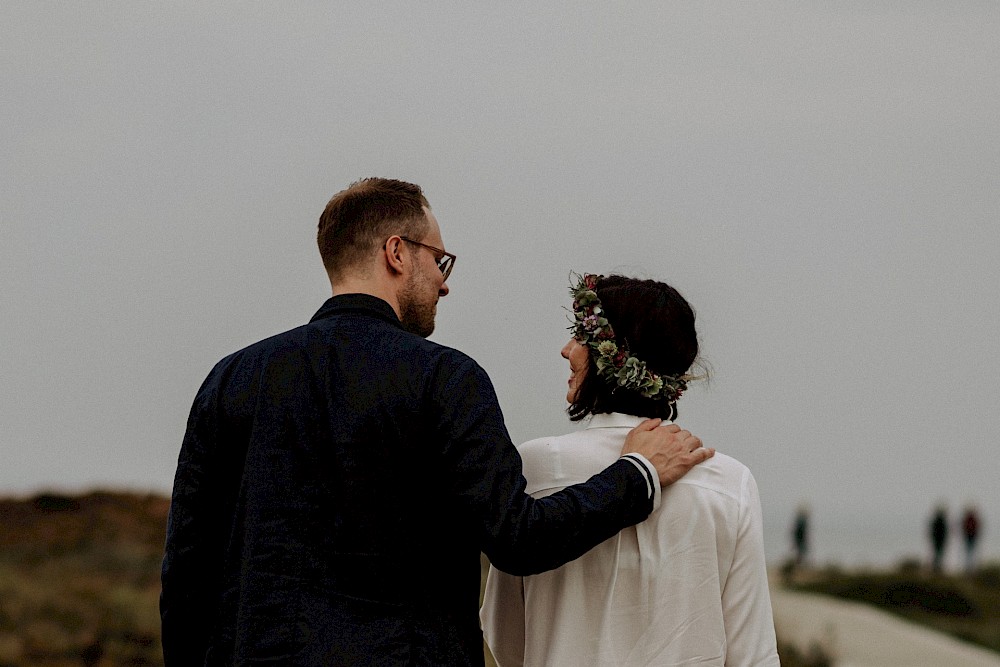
<point x="416" y="314"/>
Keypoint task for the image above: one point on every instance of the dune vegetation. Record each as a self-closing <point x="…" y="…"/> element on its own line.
<point x="79" y="580"/>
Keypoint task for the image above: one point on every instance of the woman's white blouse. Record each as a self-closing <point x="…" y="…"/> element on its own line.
<point x="688" y="586"/>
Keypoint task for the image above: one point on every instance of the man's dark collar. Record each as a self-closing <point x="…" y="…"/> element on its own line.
<point x="357" y="303"/>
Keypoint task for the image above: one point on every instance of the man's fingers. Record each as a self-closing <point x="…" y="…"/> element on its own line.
<point x="703" y="454"/>
<point x="671" y="428"/>
<point x="692" y="442"/>
<point x="648" y="425"/>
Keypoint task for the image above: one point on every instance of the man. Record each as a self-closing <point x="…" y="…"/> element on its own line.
<point x="337" y="482"/>
<point x="939" y="537"/>
<point x="970" y="531"/>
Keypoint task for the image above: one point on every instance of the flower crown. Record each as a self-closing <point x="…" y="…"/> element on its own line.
<point x="614" y="363"/>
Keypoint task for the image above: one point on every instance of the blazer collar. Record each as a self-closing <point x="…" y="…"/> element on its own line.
<point x="365" y="304"/>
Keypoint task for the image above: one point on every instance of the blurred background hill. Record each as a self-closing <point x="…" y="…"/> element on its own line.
<point x="79" y="579"/>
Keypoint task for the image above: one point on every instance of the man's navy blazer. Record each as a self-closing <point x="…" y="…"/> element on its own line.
<point x="334" y="489"/>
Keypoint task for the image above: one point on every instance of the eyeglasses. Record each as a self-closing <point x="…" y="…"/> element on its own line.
<point x="445" y="264"/>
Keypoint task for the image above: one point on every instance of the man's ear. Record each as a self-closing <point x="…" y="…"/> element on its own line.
<point x="393" y="254"/>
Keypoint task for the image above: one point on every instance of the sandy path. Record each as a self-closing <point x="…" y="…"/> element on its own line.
<point x="856" y="635"/>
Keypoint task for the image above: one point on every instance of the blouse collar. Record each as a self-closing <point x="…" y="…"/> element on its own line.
<point x="617" y="420"/>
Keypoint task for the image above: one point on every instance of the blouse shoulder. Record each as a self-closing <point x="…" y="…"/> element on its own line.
<point x="720" y="474"/>
<point x="536" y="445"/>
<point x="728" y="464"/>
<point x="545" y="447"/>
<point x="538" y="451"/>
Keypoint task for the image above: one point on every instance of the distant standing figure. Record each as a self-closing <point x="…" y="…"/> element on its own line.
<point x="939" y="536"/>
<point x="970" y="530"/>
<point x="800" y="535"/>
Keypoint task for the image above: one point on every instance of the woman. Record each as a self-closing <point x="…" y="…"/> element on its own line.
<point x="686" y="586"/>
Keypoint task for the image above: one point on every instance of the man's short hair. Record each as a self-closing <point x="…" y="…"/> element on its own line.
<point x="359" y="219"/>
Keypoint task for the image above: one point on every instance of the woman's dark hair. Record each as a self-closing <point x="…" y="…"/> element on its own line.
<point x="657" y="325"/>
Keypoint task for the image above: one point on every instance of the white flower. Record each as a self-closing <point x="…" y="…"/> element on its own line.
<point x="607" y="348"/>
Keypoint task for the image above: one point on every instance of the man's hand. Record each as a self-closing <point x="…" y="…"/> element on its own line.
<point x="672" y="451"/>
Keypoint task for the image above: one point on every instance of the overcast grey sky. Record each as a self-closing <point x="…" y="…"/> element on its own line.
<point x="819" y="179"/>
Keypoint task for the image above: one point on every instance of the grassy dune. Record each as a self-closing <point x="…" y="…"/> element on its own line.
<point x="79" y="580"/>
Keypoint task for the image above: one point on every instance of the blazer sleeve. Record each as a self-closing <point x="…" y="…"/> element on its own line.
<point x="192" y="561"/>
<point x="522" y="535"/>
<point x="746" y="602"/>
